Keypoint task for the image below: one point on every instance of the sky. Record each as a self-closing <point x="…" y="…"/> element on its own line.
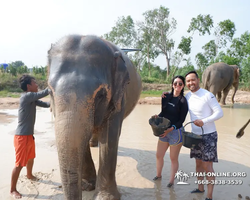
<point x="28" y="27"/>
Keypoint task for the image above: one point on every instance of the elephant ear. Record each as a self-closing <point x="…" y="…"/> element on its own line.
<point x="121" y="79"/>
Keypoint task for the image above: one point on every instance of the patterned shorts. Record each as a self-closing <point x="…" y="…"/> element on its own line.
<point x="173" y="138"/>
<point x="207" y="149"/>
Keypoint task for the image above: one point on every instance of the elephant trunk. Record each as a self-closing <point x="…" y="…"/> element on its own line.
<point x="73" y="131"/>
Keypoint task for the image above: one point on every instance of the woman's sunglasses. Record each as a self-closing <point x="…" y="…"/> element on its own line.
<point x="180" y="84"/>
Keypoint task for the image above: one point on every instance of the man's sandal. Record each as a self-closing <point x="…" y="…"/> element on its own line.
<point x="156" y="178"/>
<point x="169" y="185"/>
<point x="197" y="191"/>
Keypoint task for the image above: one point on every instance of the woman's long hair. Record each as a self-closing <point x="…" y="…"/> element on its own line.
<point x="182" y="91"/>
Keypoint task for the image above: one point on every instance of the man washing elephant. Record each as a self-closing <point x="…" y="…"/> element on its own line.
<point x="94" y="87"/>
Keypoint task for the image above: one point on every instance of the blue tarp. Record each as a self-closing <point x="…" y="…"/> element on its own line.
<point x="4" y="65"/>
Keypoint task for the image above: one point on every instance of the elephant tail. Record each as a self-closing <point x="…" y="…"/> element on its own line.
<point x="205" y="79"/>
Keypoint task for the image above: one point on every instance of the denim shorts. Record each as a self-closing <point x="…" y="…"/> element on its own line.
<point x="174" y="137"/>
<point x="207" y="149"/>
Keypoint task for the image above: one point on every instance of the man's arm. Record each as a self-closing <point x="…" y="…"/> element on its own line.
<point x="42" y="104"/>
<point x="216" y="108"/>
<point x="34" y="96"/>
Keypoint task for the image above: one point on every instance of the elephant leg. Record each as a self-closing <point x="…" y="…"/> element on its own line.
<point x="88" y="171"/>
<point x="224" y="96"/>
<point x="219" y="96"/>
<point x="106" y="188"/>
<point x="234" y="91"/>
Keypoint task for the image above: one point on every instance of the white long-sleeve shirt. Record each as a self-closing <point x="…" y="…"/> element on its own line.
<point x="203" y="105"/>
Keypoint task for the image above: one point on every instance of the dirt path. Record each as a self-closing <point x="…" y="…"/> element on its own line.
<point x="242" y="97"/>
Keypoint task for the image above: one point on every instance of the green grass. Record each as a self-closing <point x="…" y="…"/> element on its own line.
<point x="151" y="93"/>
<point x="5" y="93"/>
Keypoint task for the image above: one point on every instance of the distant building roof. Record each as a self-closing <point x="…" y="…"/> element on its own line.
<point x="4" y="65"/>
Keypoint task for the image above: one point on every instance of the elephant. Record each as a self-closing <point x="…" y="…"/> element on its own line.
<point x="94" y="87"/>
<point x="241" y="131"/>
<point x="220" y="77"/>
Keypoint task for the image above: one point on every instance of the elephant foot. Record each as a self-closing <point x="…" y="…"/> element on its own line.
<point x="93" y="143"/>
<point x="88" y="186"/>
<point x="105" y="195"/>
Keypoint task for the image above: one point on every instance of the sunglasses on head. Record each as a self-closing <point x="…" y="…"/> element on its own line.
<point x="180" y="84"/>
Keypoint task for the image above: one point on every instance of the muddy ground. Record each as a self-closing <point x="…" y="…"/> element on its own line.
<point x="242" y="97"/>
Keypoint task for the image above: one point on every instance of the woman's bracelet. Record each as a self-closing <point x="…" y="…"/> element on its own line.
<point x="174" y="126"/>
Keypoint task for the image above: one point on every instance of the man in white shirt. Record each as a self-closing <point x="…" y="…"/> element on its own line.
<point x="204" y="109"/>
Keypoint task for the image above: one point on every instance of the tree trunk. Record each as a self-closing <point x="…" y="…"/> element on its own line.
<point x="168" y="67"/>
<point x="149" y="70"/>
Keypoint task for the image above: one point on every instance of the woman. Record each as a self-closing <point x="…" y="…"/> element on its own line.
<point x="175" y="108"/>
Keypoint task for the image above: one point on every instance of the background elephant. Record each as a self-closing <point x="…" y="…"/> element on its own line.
<point x="219" y="77"/>
<point x="94" y="87"/>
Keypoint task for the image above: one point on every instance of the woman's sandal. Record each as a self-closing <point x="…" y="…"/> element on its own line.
<point x="197" y="191"/>
<point x="169" y="185"/>
<point x="156" y="178"/>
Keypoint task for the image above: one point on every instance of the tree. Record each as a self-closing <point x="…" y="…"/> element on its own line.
<point x="160" y="28"/>
<point x="202" y="24"/>
<point x="12" y="70"/>
<point x="210" y="50"/>
<point x="184" y="48"/>
<point x="123" y="33"/>
<point x="224" y="32"/>
<point x="226" y="58"/>
<point x="146" y="44"/>
<point x="17" y="64"/>
<point x="22" y="70"/>
<point x="201" y="61"/>
<point x="240" y="47"/>
<point x="240" y="51"/>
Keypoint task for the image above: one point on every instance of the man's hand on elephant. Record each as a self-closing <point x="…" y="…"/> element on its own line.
<point x="163" y="95"/>
<point x="198" y="122"/>
<point x="49" y="90"/>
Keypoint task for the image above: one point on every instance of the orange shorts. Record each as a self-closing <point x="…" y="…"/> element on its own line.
<point x="24" y="148"/>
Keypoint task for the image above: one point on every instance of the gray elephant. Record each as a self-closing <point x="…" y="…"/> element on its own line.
<point x="94" y="87"/>
<point x="220" y="77"/>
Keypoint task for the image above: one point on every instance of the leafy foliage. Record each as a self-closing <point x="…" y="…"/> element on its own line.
<point x="153" y="35"/>
<point x="224" y="32"/>
<point x="159" y="28"/>
<point x="123" y="33"/>
<point x="202" y="24"/>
